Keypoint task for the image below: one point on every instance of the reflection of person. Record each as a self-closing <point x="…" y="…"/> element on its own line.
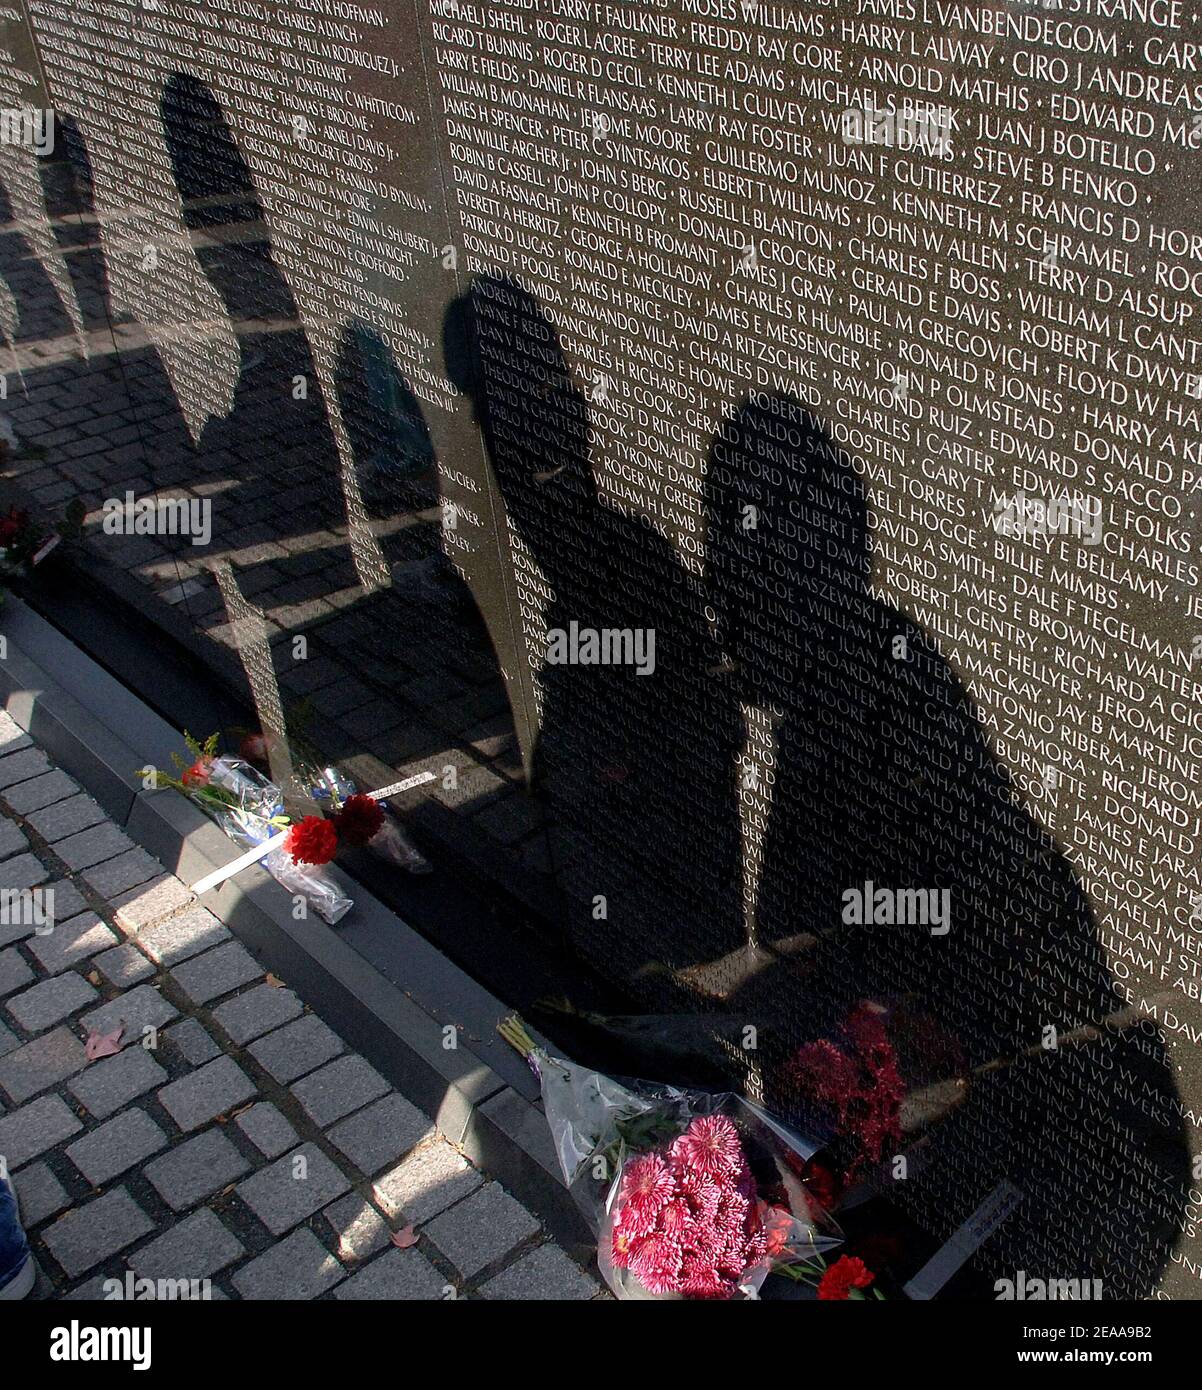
<point x="17" y="1270"/>
<point x="884" y="777"/>
<point x="635" y="769"/>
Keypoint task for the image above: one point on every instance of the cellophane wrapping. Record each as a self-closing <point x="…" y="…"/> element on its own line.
<point x="253" y="817"/>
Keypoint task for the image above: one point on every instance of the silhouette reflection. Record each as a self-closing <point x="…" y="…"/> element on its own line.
<point x="636" y="770"/>
<point x="883" y="775"/>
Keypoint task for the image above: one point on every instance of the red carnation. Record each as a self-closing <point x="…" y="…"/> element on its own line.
<point x="198" y="774"/>
<point x="845" y="1274"/>
<point x="312" y="841"/>
<point x="359" y="820"/>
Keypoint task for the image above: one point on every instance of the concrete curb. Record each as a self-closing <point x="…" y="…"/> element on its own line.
<point x="481" y="1095"/>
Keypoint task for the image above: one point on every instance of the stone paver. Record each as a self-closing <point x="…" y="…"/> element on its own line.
<point x="40" y="791"/>
<point x="482" y="1229"/>
<point x="68" y="900"/>
<point x="21" y="766"/>
<point x="138" y="1009"/>
<point x="91" y="1233"/>
<point x="297" y="1048"/>
<point x="117" y="1145"/>
<point x="398" y="1274"/>
<point x="150" y="902"/>
<point x="292" y="1188"/>
<point x="381" y="1134"/>
<point x="128" y="870"/>
<point x="297" y="1268"/>
<point x="196" y="1248"/>
<point x="22" y="871"/>
<point x="39" y="1194"/>
<point x="14" y="973"/>
<point x="183" y="936"/>
<point x="49" y="1002"/>
<point x="196" y="1169"/>
<point x="425" y="1183"/>
<point x="92" y="846"/>
<point x="123" y="966"/>
<point x="12" y="736"/>
<point x="195" y="1044"/>
<point x="546" y="1273"/>
<point x="283" y="1174"/>
<point x="267" y="1129"/>
<point x="256" y="1011"/>
<point x="339" y="1088"/>
<point x="112" y="1082"/>
<point x="212" y="1090"/>
<point x="12" y="841"/>
<point x="66" y="818"/>
<point x="40" y="1064"/>
<point x="216" y="972"/>
<point x="74" y="940"/>
<point x="360" y="1228"/>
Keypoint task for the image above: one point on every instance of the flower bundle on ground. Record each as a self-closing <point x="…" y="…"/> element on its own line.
<point x="311" y="840"/>
<point x="692" y="1194"/>
<point x="687" y="1220"/>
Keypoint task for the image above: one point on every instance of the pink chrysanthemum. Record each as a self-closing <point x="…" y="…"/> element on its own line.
<point x="710" y="1145"/>
<point x="690" y="1224"/>
<point x="699" y="1279"/>
<point x="755" y="1250"/>
<point x="648" y="1177"/>
<point x="704" y="1241"/>
<point x="637" y="1218"/>
<point x="675" y="1217"/>
<point x="621" y="1247"/>
<point x="701" y="1193"/>
<point x="656" y="1262"/>
<point x="647" y="1184"/>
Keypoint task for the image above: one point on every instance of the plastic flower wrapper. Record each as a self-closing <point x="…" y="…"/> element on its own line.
<point x="258" y="815"/>
<point x="391" y="844"/>
<point x="692" y="1194"/>
<point x="318" y="887"/>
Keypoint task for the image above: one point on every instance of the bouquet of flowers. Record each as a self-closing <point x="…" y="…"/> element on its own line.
<point x="361" y="821"/>
<point x="886" y="1076"/>
<point x="250" y="809"/>
<point x="691" y="1194"/>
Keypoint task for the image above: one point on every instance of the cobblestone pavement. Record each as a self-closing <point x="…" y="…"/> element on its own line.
<point x="233" y="1137"/>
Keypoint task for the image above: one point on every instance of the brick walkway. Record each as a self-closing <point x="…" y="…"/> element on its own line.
<point x="234" y="1137"/>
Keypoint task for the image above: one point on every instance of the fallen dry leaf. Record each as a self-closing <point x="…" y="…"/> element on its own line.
<point x="404" y="1238"/>
<point x="94" y="977"/>
<point x="98" y="1044"/>
<point x="274" y="981"/>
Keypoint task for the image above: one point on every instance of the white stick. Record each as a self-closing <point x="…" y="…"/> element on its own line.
<point x="393" y="788"/>
<point x="244" y="861"/>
